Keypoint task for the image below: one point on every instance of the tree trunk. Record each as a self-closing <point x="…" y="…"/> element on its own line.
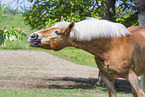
<point x="140" y="6"/>
<point x="109" y="10"/>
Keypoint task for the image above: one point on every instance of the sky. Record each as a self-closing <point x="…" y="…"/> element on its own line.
<point x="13" y="3"/>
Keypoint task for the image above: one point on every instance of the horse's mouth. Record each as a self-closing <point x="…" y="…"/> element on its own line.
<point x="38" y="43"/>
<point x="35" y="44"/>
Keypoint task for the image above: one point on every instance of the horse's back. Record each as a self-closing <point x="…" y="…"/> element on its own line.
<point x="134" y="28"/>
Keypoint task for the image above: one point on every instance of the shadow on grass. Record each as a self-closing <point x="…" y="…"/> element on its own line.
<point x="122" y="85"/>
<point x="69" y="83"/>
<point x="82" y="83"/>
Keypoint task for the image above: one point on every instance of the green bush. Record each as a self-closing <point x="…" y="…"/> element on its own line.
<point x="11" y="35"/>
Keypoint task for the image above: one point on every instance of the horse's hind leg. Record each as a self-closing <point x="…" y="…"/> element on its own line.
<point x="134" y="92"/>
<point x="110" y="85"/>
<point x="132" y="78"/>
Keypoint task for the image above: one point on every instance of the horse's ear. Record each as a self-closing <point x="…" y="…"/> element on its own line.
<point x="69" y="29"/>
<point x="62" y="19"/>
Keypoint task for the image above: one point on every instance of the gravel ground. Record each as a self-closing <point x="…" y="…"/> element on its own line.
<point x="23" y="69"/>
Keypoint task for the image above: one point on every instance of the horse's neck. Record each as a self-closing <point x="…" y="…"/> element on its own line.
<point x="96" y="47"/>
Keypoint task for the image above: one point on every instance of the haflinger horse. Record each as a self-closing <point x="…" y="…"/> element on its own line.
<point x="119" y="52"/>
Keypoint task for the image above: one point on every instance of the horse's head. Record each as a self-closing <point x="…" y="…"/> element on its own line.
<point x="53" y="38"/>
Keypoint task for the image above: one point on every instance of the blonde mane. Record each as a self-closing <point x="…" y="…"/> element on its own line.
<point x="91" y="28"/>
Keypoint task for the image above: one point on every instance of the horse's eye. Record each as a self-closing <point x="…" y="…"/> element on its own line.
<point x="57" y="32"/>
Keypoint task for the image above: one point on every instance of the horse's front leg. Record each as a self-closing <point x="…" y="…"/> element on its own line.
<point x="132" y="78"/>
<point x="109" y="84"/>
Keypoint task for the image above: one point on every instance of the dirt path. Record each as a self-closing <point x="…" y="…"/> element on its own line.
<point x="22" y="69"/>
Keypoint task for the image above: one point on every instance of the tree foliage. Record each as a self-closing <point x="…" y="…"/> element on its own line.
<point x="47" y="12"/>
<point x="43" y="11"/>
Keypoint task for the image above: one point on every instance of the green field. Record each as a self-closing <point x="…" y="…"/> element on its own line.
<point x="98" y="92"/>
<point x="74" y="55"/>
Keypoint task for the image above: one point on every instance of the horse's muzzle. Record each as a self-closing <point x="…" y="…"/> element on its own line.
<point x="35" y="40"/>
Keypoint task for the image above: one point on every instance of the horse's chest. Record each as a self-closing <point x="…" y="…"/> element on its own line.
<point x="108" y="71"/>
<point x="114" y="69"/>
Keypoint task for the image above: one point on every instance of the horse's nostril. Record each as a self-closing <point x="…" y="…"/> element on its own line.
<point x="34" y="36"/>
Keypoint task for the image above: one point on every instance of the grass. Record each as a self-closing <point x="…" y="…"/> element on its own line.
<point x="15" y="45"/>
<point x="14" y="21"/>
<point x="74" y="55"/>
<point x="99" y="92"/>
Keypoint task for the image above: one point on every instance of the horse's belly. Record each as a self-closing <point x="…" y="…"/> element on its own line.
<point x="139" y="62"/>
<point x="140" y="68"/>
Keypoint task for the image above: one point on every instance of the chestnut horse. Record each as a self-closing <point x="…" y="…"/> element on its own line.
<point x="119" y="52"/>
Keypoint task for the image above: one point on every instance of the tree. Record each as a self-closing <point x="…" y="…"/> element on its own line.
<point x="109" y="8"/>
<point x="140" y="6"/>
<point x="72" y="10"/>
<point x="47" y="12"/>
